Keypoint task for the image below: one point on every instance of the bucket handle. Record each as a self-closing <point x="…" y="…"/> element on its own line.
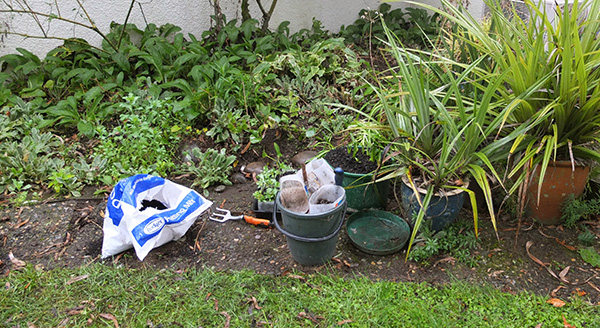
<point x="305" y="239"/>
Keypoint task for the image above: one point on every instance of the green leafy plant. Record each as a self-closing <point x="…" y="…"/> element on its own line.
<point x="267" y="182"/>
<point x="586" y="238"/>
<point x="415" y="27"/>
<point x="142" y="142"/>
<point x="452" y="241"/>
<point x="64" y="181"/>
<point x="28" y="161"/>
<point x="590" y="256"/>
<point x="556" y="58"/>
<point x="439" y="137"/>
<point x="577" y="209"/>
<point x="209" y="168"/>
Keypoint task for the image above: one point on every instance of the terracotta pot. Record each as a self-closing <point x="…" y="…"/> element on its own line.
<point x="560" y="181"/>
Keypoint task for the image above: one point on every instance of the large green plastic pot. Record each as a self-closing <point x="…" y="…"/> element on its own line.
<point x="361" y="193"/>
<point x="311" y="238"/>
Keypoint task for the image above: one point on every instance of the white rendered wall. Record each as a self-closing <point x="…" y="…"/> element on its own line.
<point x="193" y="16"/>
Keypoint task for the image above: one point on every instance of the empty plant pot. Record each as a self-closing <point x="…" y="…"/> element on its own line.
<point x="559" y="183"/>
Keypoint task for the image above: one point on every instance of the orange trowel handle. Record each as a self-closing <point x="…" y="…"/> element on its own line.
<point x="257" y="222"/>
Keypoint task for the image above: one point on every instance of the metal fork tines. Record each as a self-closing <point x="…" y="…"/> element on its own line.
<point x="225" y="216"/>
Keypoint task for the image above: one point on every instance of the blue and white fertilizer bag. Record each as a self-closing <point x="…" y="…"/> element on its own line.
<point x="130" y="222"/>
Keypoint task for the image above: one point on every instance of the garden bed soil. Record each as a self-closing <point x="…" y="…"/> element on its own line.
<point x="68" y="234"/>
<point x="351" y="162"/>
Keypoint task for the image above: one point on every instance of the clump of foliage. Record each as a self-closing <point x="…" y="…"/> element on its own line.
<point x="209" y="167"/>
<point x="590" y="256"/>
<point x="141" y="140"/>
<point x="267" y="182"/>
<point x="415" y="27"/>
<point x="122" y="107"/>
<point x="586" y="238"/>
<point x="452" y="241"/>
<point x="575" y="210"/>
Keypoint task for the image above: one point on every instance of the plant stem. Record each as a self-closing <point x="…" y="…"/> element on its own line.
<point x="34" y="14"/>
<point x="55" y="38"/>
<point x="125" y="24"/>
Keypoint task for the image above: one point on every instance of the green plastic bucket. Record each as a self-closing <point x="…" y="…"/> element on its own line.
<point x="361" y="193"/>
<point x="311" y="238"/>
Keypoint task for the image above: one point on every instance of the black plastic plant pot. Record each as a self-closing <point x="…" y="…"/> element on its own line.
<point x="264" y="210"/>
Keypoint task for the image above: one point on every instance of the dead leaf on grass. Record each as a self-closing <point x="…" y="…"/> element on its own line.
<point x="111" y="317"/>
<point x="30" y="325"/>
<point x="307" y="315"/>
<point x="567" y="325"/>
<point x="539" y="325"/>
<point x="15" y="261"/>
<point x="295" y="276"/>
<point x="227" y="319"/>
<point x="64" y="322"/>
<point x="556" y="302"/>
<point x="254" y="303"/>
<point x="343" y="322"/>
<point x="78" y="278"/>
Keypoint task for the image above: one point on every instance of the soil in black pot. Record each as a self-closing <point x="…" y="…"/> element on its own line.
<point x="353" y="163"/>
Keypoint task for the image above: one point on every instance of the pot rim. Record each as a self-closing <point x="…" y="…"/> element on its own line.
<point x="438" y="194"/>
<point x="566" y="163"/>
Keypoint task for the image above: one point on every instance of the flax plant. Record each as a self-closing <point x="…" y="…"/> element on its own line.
<point x="440" y="138"/>
<point x="558" y="51"/>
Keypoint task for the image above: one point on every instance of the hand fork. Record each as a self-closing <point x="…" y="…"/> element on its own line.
<point x="226" y="216"/>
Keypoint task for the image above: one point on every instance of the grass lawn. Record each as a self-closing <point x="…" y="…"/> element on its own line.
<point x="105" y="296"/>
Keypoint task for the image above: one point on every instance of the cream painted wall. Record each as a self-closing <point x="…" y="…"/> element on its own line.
<point x="193" y="16"/>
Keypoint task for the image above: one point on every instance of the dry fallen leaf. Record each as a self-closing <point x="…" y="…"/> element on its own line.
<point x="15" y="261"/>
<point x="227" y="319"/>
<point x="343" y="322"/>
<point x="109" y="316"/>
<point x="567" y="325"/>
<point x="314" y="318"/>
<point x="579" y="292"/>
<point x="255" y="303"/>
<point x="556" y="302"/>
<point x="78" y="278"/>
<point x="563" y="273"/>
<point x="553" y="293"/>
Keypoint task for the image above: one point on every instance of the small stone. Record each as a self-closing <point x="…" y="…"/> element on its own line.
<point x="220" y="188"/>
<point x="257" y="237"/>
<point x="303" y="157"/>
<point x="238" y="178"/>
<point x="254" y="167"/>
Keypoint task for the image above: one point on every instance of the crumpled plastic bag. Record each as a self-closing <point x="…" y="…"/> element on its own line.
<point x="128" y="222"/>
<point x="326" y="198"/>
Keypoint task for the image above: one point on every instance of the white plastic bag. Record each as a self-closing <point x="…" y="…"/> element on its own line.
<point x="326" y="198"/>
<point x="318" y="174"/>
<point x="126" y="226"/>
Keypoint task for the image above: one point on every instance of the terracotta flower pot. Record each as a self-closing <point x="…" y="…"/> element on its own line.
<point x="559" y="182"/>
